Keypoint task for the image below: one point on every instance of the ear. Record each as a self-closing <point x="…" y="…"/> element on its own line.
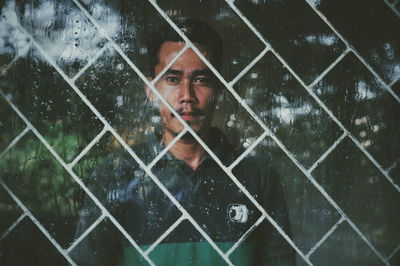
<point x="149" y="92"/>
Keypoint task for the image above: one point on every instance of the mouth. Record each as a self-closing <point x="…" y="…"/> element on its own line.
<point x="189" y="115"/>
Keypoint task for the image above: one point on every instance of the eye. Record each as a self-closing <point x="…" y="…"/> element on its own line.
<point x="201" y="81"/>
<point x="174" y="80"/>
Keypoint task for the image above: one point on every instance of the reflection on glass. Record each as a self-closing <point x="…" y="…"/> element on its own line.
<point x="119" y="95"/>
<point x="356" y="253"/>
<point x="74" y="57"/>
<point x="364" y="107"/>
<point x="396" y="86"/>
<point x="9" y="211"/>
<point x="10" y="125"/>
<point x="51" y="105"/>
<point x="311" y="215"/>
<point x="288" y="110"/>
<point x="44" y="187"/>
<point x="308" y="45"/>
<point x="63" y="31"/>
<point x="373" y="32"/>
<point x="366" y="189"/>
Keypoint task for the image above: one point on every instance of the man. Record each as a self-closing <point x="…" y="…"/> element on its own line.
<point x="194" y="179"/>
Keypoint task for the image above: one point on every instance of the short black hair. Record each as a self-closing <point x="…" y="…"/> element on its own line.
<point x="195" y="30"/>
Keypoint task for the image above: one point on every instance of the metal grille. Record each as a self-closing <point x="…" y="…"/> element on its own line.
<point x="311" y="87"/>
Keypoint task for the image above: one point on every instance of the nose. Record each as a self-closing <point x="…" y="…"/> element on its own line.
<point x="186" y="92"/>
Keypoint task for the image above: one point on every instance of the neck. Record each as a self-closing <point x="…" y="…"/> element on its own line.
<point x="186" y="149"/>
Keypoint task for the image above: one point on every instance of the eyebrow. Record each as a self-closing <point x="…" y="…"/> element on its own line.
<point x="205" y="72"/>
<point x="173" y="72"/>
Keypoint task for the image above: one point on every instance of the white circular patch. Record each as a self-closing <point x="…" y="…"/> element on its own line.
<point x="238" y="213"/>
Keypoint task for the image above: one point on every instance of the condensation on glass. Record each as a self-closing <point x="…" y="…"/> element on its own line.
<point x="310" y="87"/>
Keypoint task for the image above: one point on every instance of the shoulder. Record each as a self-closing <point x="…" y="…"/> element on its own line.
<point x="118" y="169"/>
<point x="113" y="164"/>
<point x="121" y="160"/>
<point x="117" y="179"/>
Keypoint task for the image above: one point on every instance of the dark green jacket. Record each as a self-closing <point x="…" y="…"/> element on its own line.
<point x="209" y="195"/>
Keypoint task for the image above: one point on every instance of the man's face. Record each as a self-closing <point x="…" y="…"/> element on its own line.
<point x="188" y="86"/>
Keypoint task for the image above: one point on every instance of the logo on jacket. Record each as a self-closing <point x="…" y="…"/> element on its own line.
<point x="238" y="213"/>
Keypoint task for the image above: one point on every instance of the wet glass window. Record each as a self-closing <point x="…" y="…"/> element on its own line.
<point x="199" y="132"/>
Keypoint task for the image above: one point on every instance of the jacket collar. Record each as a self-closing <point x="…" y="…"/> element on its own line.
<point x="217" y="142"/>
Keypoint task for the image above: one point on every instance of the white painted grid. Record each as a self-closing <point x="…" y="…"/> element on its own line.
<point x="90" y="62"/>
<point x="397" y="249"/>
<point x="316" y="98"/>
<point x="328" y="151"/>
<point x="245" y="235"/>
<point x="12" y="143"/>
<point x="165" y="234"/>
<point x="75" y="177"/>
<point x="325" y="237"/>
<point x="216" y="159"/>
<point x="36" y="222"/>
<point x="188" y="128"/>
<point x="88" y="231"/>
<point x="355" y="52"/>
<point x="12" y="226"/>
<point x="88" y="147"/>
<point x="118" y="137"/>
<point x="308" y="174"/>
<point x="392" y="6"/>
<point x="394" y="80"/>
<point x="394" y="165"/>
<point x="228" y="170"/>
